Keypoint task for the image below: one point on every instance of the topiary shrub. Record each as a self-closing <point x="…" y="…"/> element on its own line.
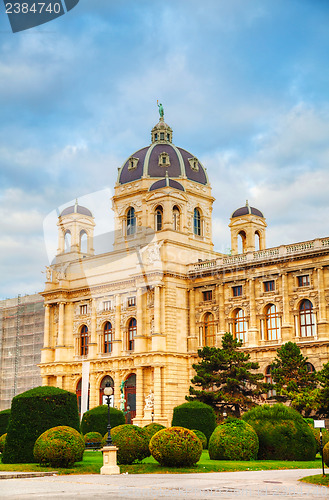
<point x="132" y="443"/>
<point x="4" y="420"/>
<point x="195" y="415"/>
<point x="202" y="437"/>
<point x="93" y="437"/>
<point x="233" y="440"/>
<point x="2" y="442"/>
<point x="96" y="420"/>
<point x="151" y="429"/>
<point x="282" y="432"/>
<point x="176" y="447"/>
<point x="59" y="447"/>
<point x="32" y="413"/>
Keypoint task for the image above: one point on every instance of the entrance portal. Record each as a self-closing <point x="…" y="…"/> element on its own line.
<point x="130" y="397"/>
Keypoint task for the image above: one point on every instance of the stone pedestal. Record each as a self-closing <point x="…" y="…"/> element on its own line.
<point x="147" y="419"/>
<point x="110" y="460"/>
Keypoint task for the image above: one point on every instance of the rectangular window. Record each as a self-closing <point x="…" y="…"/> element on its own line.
<point x="269" y="286"/>
<point x="131" y="301"/>
<point x="303" y="280"/>
<point x="83" y="309"/>
<point x="237" y="290"/>
<point x="207" y="295"/>
<point x="107" y="305"/>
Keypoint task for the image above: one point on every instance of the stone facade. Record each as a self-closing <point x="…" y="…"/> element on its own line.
<point x="135" y="316"/>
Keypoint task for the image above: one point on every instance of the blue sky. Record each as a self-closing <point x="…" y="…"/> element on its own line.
<point x="244" y="84"/>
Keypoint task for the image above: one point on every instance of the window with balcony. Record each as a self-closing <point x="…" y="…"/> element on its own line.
<point x="84" y="340"/>
<point x="239" y="325"/>
<point x="208" y="327"/>
<point x="272" y="322"/>
<point x="132" y="331"/>
<point x="306" y="319"/>
<point x="108" y="337"/>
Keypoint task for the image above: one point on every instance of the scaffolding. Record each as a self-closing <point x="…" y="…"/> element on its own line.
<point x="21" y="341"/>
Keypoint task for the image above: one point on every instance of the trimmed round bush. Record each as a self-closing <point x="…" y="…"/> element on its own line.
<point x="4" y="420"/>
<point x="32" y="413"/>
<point x="195" y="415"/>
<point x="132" y="442"/>
<point x="233" y="440"/>
<point x="59" y="447"/>
<point x="151" y="429"/>
<point x="176" y="447"/>
<point x="2" y="442"/>
<point x="325" y="437"/>
<point x="282" y="432"/>
<point x="202" y="437"/>
<point x="96" y="420"/>
<point x="93" y="437"/>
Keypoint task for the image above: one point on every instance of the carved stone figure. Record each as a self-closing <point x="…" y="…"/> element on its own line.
<point x="149" y="401"/>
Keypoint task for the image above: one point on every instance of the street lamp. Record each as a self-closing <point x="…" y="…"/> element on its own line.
<point x="224" y="415"/>
<point x="108" y="391"/>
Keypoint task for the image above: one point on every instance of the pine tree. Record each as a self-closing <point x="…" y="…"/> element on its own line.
<point x="226" y="379"/>
<point x="293" y="381"/>
<point x="323" y="393"/>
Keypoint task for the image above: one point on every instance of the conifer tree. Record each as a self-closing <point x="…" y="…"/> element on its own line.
<point x="323" y="393"/>
<point x="293" y="381"/>
<point x="224" y="378"/>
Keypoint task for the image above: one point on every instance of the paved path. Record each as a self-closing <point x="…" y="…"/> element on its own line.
<point x="258" y="485"/>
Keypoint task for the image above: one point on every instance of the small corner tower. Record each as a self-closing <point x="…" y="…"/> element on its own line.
<point x="247" y="224"/>
<point x="75" y="232"/>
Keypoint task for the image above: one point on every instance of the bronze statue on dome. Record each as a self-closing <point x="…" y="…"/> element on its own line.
<point x="161" y="110"/>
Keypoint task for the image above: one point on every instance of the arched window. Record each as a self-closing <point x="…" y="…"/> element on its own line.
<point x="84" y="337"/>
<point x="83" y="241"/>
<point x="306" y="319"/>
<point x="257" y="240"/>
<point x="176" y="218"/>
<point x="103" y="399"/>
<point x="108" y="337"/>
<point x="242" y="238"/>
<point x="240" y="325"/>
<point x="269" y="380"/>
<point x="208" y="330"/>
<point x="197" y="222"/>
<point x="67" y="241"/>
<point x="131" y="221"/>
<point x="272" y="322"/>
<point x="158" y="218"/>
<point x="310" y="367"/>
<point x="132" y="330"/>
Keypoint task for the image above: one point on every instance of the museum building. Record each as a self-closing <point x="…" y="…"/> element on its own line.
<point x="135" y="317"/>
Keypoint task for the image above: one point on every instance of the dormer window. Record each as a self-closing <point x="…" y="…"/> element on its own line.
<point x="164" y="160"/>
<point x="168" y="137"/>
<point x="132" y="163"/>
<point x="155" y="137"/>
<point x="161" y="136"/>
<point x="194" y="163"/>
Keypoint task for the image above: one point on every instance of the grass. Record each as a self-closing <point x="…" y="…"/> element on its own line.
<point x="319" y="479"/>
<point x="93" y="461"/>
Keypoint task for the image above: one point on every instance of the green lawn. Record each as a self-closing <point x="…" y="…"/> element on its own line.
<point x="92" y="462"/>
<point x="319" y="479"/>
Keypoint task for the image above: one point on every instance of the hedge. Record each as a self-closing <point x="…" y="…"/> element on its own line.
<point x="32" y="413"/>
<point x="96" y="420"/>
<point x="282" y="432"/>
<point x="132" y="443"/>
<point x="4" y="420"/>
<point x="195" y="415"/>
<point x="176" y="447"/>
<point x="233" y="440"/>
<point x="59" y="447"/>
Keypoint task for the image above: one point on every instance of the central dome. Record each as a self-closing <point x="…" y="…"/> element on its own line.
<point x="162" y="159"/>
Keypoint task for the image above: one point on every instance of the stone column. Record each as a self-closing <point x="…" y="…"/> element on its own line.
<point x="322" y="301"/>
<point x="139" y="396"/>
<point x="157" y="393"/>
<point x="59" y="381"/>
<point x="158" y="340"/>
<point x="117" y="382"/>
<point x="221" y="312"/>
<point x="60" y="338"/>
<point x="46" y="339"/>
<point x="117" y="342"/>
<point x="286" y="327"/>
<point x="92" y="348"/>
<point x="192" y="341"/>
<point x="140" y="338"/>
<point x="252" y="330"/>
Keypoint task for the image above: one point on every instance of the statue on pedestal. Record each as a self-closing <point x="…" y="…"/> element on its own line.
<point x="149" y="401"/>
